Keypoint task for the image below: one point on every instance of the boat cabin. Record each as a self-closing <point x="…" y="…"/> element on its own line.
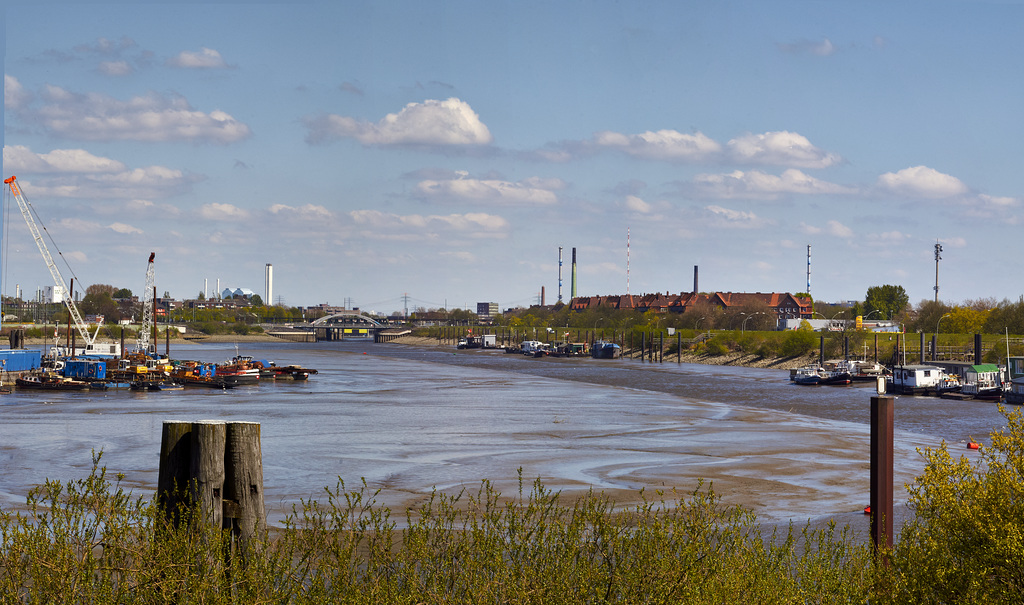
<point x="914" y="379"/>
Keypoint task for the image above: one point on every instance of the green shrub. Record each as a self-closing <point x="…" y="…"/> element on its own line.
<point x="965" y="543"/>
<point x="90" y="542"/>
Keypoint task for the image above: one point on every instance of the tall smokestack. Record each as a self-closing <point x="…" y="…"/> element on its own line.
<point x="695" y="289"/>
<point x="542" y="302"/>
<point x="270" y="285"/>
<point x="574" y="273"/>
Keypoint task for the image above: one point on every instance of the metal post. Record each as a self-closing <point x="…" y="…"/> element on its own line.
<point x="881" y="471"/>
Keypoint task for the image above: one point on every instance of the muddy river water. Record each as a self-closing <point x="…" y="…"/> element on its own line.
<point x="409" y="419"/>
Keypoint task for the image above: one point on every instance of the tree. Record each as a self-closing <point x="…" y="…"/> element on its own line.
<point x="201" y="295"/>
<point x="965" y="542"/>
<point x="121" y="293"/>
<point x="256" y="300"/>
<point x="889" y="301"/>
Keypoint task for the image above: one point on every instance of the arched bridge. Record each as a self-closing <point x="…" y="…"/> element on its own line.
<point x="345" y="325"/>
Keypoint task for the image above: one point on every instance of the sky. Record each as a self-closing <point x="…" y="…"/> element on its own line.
<point x="395" y="155"/>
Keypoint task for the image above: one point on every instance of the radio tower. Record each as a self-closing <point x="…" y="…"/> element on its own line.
<point x="559" y="274"/>
<point x="808" y="269"/>
<point x="938" y="257"/>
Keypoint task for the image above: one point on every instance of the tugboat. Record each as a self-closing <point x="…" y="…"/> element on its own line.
<point x="50" y="381"/>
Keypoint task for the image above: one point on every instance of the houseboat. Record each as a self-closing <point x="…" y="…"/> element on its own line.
<point x="914" y="380"/>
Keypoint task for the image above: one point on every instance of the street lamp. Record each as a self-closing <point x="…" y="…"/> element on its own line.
<point x="743" y="325"/>
<point x="940" y="321"/>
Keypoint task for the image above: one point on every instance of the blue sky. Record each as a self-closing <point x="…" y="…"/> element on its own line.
<point x="445" y="151"/>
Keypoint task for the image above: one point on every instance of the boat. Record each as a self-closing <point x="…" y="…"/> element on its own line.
<point x="50" y="381"/>
<point x="983" y="381"/>
<point x="605" y="350"/>
<point x="197" y="374"/>
<point x="1015" y="394"/>
<point x="272" y="371"/>
<point x="914" y="380"/>
<point x="240" y="370"/>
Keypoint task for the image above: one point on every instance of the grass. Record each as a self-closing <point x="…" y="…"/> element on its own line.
<point x="88" y="541"/>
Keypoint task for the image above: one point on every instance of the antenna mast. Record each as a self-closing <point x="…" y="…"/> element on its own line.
<point x="808" y="268"/>
<point x="938" y="257"/>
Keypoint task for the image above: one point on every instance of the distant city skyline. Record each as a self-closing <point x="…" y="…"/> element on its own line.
<point x="439" y="154"/>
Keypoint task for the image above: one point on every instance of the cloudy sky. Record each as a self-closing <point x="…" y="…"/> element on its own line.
<point x="444" y="151"/>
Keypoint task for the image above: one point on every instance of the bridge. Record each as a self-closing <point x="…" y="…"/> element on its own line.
<point x="352" y="325"/>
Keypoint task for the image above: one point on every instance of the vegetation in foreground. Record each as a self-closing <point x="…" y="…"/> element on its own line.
<point x="90" y="541"/>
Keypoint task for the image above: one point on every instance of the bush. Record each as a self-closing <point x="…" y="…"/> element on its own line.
<point x="966" y="542"/>
<point x="798" y="342"/>
<point x="90" y="542"/>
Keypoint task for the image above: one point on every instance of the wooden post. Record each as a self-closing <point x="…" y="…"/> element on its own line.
<point x="172" y="486"/>
<point x="881" y="471"/>
<point x="217" y="467"/>
<point x="207" y="470"/>
<point x="679" y="347"/>
<point x="243" y="482"/>
<point x="922" y="346"/>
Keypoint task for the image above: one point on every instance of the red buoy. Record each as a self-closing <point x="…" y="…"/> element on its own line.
<point x="867" y="510"/>
<point x="972" y="446"/>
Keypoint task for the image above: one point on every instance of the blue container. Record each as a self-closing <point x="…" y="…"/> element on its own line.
<point x="85" y="368"/>
<point x="20" y="360"/>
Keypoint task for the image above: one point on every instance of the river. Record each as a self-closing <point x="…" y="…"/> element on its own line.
<point x="410" y="419"/>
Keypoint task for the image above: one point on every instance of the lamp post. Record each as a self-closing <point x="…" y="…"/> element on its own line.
<point x="743" y="325"/>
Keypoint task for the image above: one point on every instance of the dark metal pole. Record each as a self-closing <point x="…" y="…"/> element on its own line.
<point x="881" y="471"/>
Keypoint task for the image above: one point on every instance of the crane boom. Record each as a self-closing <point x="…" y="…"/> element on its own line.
<point x="147" y="306"/>
<point x="58" y="280"/>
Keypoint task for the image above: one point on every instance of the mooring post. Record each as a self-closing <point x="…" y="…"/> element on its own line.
<point x="243" y="482"/>
<point x="821" y="350"/>
<point x="207" y="470"/>
<point x="881" y="471"/>
<point x="922" y="346"/>
<point x="172" y="486"/>
<point x="679" y="347"/>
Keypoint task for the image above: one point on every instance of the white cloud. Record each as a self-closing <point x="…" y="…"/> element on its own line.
<point x="206" y="58"/>
<point x="759" y="185"/>
<point x="222" y="212"/>
<point x="149" y="182"/>
<point x="998" y="201"/>
<point x="123" y="228"/>
<point x="152" y="118"/>
<point x="922" y="182"/>
<point x="729" y="218"/>
<point x="808" y="229"/>
<point x="416" y="226"/>
<point x="781" y="148"/>
<point x="494" y="191"/>
<point x="433" y="122"/>
<point x="305" y="212"/>
<point x="15" y="95"/>
<point x="661" y="145"/>
<point x="838" y="229"/>
<point x="636" y="204"/>
<point x="18" y="158"/>
<point x="115" y="68"/>
<point x="953" y="242"/>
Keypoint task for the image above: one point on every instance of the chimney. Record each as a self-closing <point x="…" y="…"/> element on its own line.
<point x="574" y="273"/>
<point x="695" y="289"/>
<point x="542" y="296"/>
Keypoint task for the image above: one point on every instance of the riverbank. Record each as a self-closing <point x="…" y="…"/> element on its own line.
<point x="732" y="359"/>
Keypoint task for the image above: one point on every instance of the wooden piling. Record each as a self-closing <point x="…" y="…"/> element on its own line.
<point x="215" y="468"/>
<point x="172" y="486"/>
<point x="243" y="481"/>
<point x="207" y="470"/>
<point x="881" y="471"/>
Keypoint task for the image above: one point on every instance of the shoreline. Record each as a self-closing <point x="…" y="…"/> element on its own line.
<point x="732" y="359"/>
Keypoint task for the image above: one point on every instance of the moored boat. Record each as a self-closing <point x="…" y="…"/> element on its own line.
<point x="605" y="350"/>
<point x="50" y="381"/>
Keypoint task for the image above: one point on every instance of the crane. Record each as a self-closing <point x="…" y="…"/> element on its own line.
<point x="58" y="280"/>
<point x="147" y="306"/>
